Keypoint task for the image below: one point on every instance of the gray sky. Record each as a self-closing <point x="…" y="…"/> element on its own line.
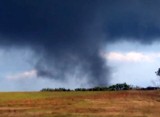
<point x="82" y="43"/>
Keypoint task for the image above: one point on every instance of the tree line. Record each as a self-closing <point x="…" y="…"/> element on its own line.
<point x="115" y="87"/>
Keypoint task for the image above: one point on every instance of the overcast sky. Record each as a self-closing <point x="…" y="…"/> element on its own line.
<point x="78" y="43"/>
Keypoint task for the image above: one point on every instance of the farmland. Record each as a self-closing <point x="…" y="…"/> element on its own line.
<point x="80" y="104"/>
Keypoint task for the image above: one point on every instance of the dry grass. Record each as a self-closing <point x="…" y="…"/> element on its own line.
<point x="80" y="104"/>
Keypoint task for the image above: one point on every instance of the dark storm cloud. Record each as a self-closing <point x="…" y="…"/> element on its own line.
<point x="138" y="19"/>
<point x="70" y="34"/>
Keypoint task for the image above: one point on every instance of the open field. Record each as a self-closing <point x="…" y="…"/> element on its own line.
<point x="80" y="104"/>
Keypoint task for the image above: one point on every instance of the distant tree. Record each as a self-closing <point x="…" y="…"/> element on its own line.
<point x="156" y="82"/>
<point x="158" y="72"/>
<point x="118" y="87"/>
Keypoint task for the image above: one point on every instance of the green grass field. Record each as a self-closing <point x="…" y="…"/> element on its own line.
<point x="80" y="104"/>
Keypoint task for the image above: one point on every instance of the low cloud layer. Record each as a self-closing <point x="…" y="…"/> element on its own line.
<point x="22" y="75"/>
<point x="132" y="56"/>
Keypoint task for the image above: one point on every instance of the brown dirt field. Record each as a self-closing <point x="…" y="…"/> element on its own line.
<point x="83" y="104"/>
